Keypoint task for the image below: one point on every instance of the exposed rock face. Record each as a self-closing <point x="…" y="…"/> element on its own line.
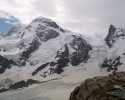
<point x="5" y="64"/>
<point x="39" y="69"/>
<point x="113" y="35"/>
<point x="81" y="50"/>
<point x="45" y="34"/>
<point x="64" y="56"/>
<point x="23" y="83"/>
<point x="63" y="60"/>
<point x="101" y="88"/>
<point x="19" y="84"/>
<point x="111" y="64"/>
<point x="75" y="52"/>
<point x="57" y="65"/>
<point x="32" y="48"/>
<point x="109" y="39"/>
<point x="48" y="22"/>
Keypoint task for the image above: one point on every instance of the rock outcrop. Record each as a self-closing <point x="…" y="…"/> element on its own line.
<point x="109" y="38"/>
<point x="5" y="64"/>
<point x="19" y="85"/>
<point x="110" y="87"/>
<point x="81" y="50"/>
<point x="114" y="34"/>
<point x="111" y="64"/>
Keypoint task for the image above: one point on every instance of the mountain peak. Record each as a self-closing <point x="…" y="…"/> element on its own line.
<point x="46" y="22"/>
<point x="42" y="19"/>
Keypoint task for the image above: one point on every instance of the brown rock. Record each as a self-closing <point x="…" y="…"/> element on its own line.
<point x="101" y="88"/>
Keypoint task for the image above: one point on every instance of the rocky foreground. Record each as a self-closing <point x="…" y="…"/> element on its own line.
<point x="110" y="87"/>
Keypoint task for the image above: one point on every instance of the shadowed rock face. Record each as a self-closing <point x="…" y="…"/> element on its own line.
<point x="48" y="22"/>
<point x="39" y="69"/>
<point x="63" y="60"/>
<point x="113" y="35"/>
<point x="23" y="83"/>
<point x="109" y="38"/>
<point x="32" y="48"/>
<point x="81" y="50"/>
<point x="111" y="64"/>
<point x="19" y="84"/>
<point x="5" y="64"/>
<point x="57" y="65"/>
<point x="101" y="88"/>
<point x="46" y="35"/>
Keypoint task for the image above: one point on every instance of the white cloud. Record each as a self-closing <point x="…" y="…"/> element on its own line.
<point x="79" y="15"/>
<point x="22" y="9"/>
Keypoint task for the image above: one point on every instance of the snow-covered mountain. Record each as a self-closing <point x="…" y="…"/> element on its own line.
<point x="43" y="50"/>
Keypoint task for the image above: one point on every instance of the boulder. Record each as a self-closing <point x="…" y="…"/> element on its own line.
<point x="110" y="87"/>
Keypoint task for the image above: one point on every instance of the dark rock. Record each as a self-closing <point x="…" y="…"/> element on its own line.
<point x="19" y="84"/>
<point x="32" y="48"/>
<point x="51" y="24"/>
<point x="39" y="69"/>
<point x="63" y="60"/>
<point x="101" y="88"/>
<point x="73" y="95"/>
<point x="109" y="38"/>
<point x="113" y="35"/>
<point x="64" y="56"/>
<point x="3" y="90"/>
<point x="46" y="35"/>
<point x="5" y="64"/>
<point x="81" y="48"/>
<point x="111" y="64"/>
<point x="48" y="22"/>
<point x="31" y="81"/>
<point x="53" y="63"/>
<point x="22" y="84"/>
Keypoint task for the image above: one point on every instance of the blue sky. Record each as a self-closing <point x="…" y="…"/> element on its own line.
<point x="4" y="27"/>
<point x="7" y="23"/>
